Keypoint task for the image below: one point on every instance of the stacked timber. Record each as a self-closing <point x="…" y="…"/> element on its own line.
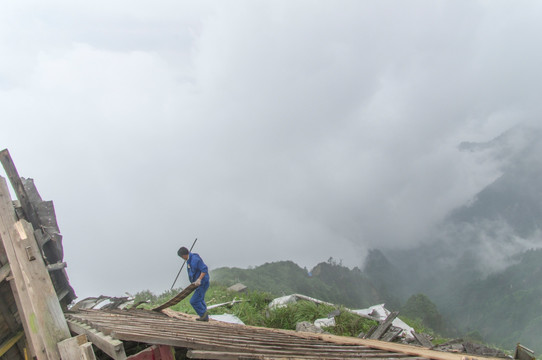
<point x="41" y="215"/>
<point x="34" y="286"/>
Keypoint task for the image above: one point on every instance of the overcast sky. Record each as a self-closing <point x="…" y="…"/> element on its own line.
<point x="269" y="130"/>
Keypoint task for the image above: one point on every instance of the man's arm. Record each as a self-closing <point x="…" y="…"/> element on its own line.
<point x="198" y="280"/>
<point x="203" y="270"/>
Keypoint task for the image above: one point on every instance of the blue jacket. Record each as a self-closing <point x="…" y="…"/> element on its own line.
<point x="195" y="267"/>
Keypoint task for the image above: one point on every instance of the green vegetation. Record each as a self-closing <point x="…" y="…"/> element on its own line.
<point x="328" y="281"/>
<point x="419" y="307"/>
<point x="348" y="324"/>
<point x="503" y="308"/>
<point x="339" y="285"/>
<point x="254" y="310"/>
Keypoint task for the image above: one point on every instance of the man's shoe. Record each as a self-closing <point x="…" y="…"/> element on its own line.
<point x="204" y="317"/>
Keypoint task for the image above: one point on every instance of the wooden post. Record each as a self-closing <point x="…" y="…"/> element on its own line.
<point x="37" y="303"/>
<point x="76" y="347"/>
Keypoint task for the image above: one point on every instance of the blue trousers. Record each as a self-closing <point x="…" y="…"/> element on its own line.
<point x="198" y="298"/>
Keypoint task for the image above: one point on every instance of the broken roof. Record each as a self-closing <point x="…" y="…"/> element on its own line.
<point x="217" y="340"/>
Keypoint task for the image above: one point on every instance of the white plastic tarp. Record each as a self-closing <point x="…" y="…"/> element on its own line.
<point x="325" y="322"/>
<point x="288" y="299"/>
<point x="282" y="301"/>
<point x="227" y="318"/>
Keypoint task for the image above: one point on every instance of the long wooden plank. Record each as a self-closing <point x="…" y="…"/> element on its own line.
<point x="17" y="184"/>
<point x="110" y="346"/>
<point x="177" y="299"/>
<point x="227" y="355"/>
<point x="405" y="349"/>
<point x="423" y="340"/>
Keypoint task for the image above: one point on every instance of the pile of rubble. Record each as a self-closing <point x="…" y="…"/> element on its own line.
<point x="390" y="328"/>
<point x="461" y="346"/>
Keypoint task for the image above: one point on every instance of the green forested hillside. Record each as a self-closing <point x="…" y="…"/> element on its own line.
<point x="502" y="309"/>
<point x="506" y="307"/>
<point x="327" y="281"/>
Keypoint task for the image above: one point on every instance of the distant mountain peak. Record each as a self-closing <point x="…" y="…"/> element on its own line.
<point x="509" y="145"/>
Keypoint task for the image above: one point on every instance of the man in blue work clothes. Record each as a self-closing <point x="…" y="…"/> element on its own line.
<point x="198" y="274"/>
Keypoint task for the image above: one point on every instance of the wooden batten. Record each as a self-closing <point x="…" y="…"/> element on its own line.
<point x="8" y="344"/>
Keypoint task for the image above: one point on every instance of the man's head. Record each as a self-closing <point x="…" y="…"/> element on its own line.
<point x="183" y="252"/>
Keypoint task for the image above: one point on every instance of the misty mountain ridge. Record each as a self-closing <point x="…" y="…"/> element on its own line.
<point x="482" y="267"/>
<point x="502" y="220"/>
<point x="477" y="266"/>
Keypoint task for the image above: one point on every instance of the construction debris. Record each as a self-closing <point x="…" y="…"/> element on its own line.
<point x="465" y="347"/>
<point x="523" y="353"/>
<point x="306" y="326"/>
<point x="216" y="340"/>
<point x="391" y="328"/>
<point x="103" y="302"/>
<point x="228" y="304"/>
<point x="380" y="314"/>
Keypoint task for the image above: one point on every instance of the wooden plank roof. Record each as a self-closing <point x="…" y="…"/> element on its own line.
<point x="232" y="341"/>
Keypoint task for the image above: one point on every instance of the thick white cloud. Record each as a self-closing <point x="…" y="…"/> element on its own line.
<point x="270" y="130"/>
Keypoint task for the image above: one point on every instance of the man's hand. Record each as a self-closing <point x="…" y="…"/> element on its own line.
<point x="197" y="282"/>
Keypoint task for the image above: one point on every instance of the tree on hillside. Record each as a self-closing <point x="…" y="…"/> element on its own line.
<point x="420" y="307"/>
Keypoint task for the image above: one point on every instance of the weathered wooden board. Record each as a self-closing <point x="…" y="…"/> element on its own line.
<point x="382" y="328"/>
<point x="177" y="299"/>
<point x="423" y="340"/>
